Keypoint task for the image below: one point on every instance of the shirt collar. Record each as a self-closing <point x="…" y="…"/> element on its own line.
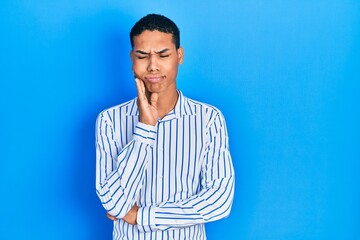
<point x="179" y="109"/>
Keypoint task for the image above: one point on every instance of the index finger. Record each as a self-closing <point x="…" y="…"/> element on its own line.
<point x="140" y="86"/>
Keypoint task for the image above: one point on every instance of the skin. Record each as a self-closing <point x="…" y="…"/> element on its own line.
<point x="155" y="61"/>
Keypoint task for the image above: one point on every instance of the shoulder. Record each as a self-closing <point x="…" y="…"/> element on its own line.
<point x="208" y="111"/>
<point x="123" y="109"/>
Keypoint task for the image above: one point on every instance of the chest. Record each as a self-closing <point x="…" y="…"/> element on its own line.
<point x="174" y="167"/>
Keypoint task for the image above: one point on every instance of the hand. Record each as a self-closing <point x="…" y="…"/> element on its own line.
<point x="111" y="217"/>
<point x="130" y="217"/>
<point x="147" y="107"/>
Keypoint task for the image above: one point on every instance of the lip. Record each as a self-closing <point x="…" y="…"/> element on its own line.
<point x="154" y="79"/>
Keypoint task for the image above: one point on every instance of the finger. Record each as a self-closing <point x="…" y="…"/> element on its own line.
<point x="154" y="99"/>
<point x="111" y="217"/>
<point x="140" y="89"/>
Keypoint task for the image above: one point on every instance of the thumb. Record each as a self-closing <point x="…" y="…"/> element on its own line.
<point x="153" y="99"/>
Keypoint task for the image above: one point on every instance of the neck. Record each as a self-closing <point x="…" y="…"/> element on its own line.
<point x="166" y="102"/>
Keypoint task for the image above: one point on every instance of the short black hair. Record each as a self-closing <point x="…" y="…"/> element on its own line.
<point x="154" y="22"/>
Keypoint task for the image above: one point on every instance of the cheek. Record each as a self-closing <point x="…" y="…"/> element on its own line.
<point x="171" y="68"/>
<point x="138" y="67"/>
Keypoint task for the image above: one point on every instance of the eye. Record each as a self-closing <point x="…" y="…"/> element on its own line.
<point x="164" y="56"/>
<point x="140" y="57"/>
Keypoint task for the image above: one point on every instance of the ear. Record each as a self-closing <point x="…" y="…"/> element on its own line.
<point x="180" y="53"/>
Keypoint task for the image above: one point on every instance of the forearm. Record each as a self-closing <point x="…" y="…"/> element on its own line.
<point x="210" y="204"/>
<point x="118" y="190"/>
<point x="118" y="185"/>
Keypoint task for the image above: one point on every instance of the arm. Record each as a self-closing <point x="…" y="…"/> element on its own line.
<point x="119" y="173"/>
<point x="213" y="202"/>
<point x="118" y="187"/>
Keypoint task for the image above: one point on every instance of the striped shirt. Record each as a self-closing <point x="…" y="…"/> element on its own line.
<point x="179" y="172"/>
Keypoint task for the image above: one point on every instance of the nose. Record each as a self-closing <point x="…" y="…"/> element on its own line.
<point x="153" y="64"/>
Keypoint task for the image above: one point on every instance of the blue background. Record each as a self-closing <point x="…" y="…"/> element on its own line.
<point x="286" y="75"/>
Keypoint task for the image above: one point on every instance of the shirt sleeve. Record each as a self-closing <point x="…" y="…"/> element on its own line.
<point x="213" y="202"/>
<point x="119" y="172"/>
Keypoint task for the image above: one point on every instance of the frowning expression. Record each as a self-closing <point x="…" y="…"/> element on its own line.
<point x="155" y="60"/>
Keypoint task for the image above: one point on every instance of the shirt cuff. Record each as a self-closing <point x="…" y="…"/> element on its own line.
<point x="145" y="219"/>
<point x="145" y="133"/>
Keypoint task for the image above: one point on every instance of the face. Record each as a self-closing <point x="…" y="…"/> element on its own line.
<point x="155" y="60"/>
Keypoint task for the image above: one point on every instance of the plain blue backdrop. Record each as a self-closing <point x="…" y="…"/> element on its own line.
<point x="286" y="75"/>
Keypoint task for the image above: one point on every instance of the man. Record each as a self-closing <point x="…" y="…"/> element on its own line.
<point x="163" y="166"/>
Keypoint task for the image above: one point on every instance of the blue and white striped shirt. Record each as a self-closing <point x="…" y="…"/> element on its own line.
<point x="178" y="172"/>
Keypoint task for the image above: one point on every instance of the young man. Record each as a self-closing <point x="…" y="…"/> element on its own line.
<point x="163" y="166"/>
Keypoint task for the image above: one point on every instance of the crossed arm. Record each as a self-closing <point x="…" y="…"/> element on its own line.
<point x="211" y="203"/>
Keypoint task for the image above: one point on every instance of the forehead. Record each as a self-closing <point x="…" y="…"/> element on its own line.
<point x="153" y="40"/>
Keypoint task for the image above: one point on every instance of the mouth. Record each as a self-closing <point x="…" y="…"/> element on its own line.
<point x="154" y="79"/>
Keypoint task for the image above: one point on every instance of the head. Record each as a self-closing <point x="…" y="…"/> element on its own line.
<point x="152" y="22"/>
<point x="156" y="53"/>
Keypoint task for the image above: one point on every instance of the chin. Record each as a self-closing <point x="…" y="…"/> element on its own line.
<point x="154" y="90"/>
<point x="153" y="87"/>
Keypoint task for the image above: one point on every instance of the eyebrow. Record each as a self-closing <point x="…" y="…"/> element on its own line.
<point x="147" y="53"/>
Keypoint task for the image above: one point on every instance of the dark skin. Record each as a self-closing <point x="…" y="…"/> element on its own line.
<point x="155" y="62"/>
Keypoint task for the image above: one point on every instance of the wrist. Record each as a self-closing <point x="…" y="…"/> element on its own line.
<point x="148" y="121"/>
